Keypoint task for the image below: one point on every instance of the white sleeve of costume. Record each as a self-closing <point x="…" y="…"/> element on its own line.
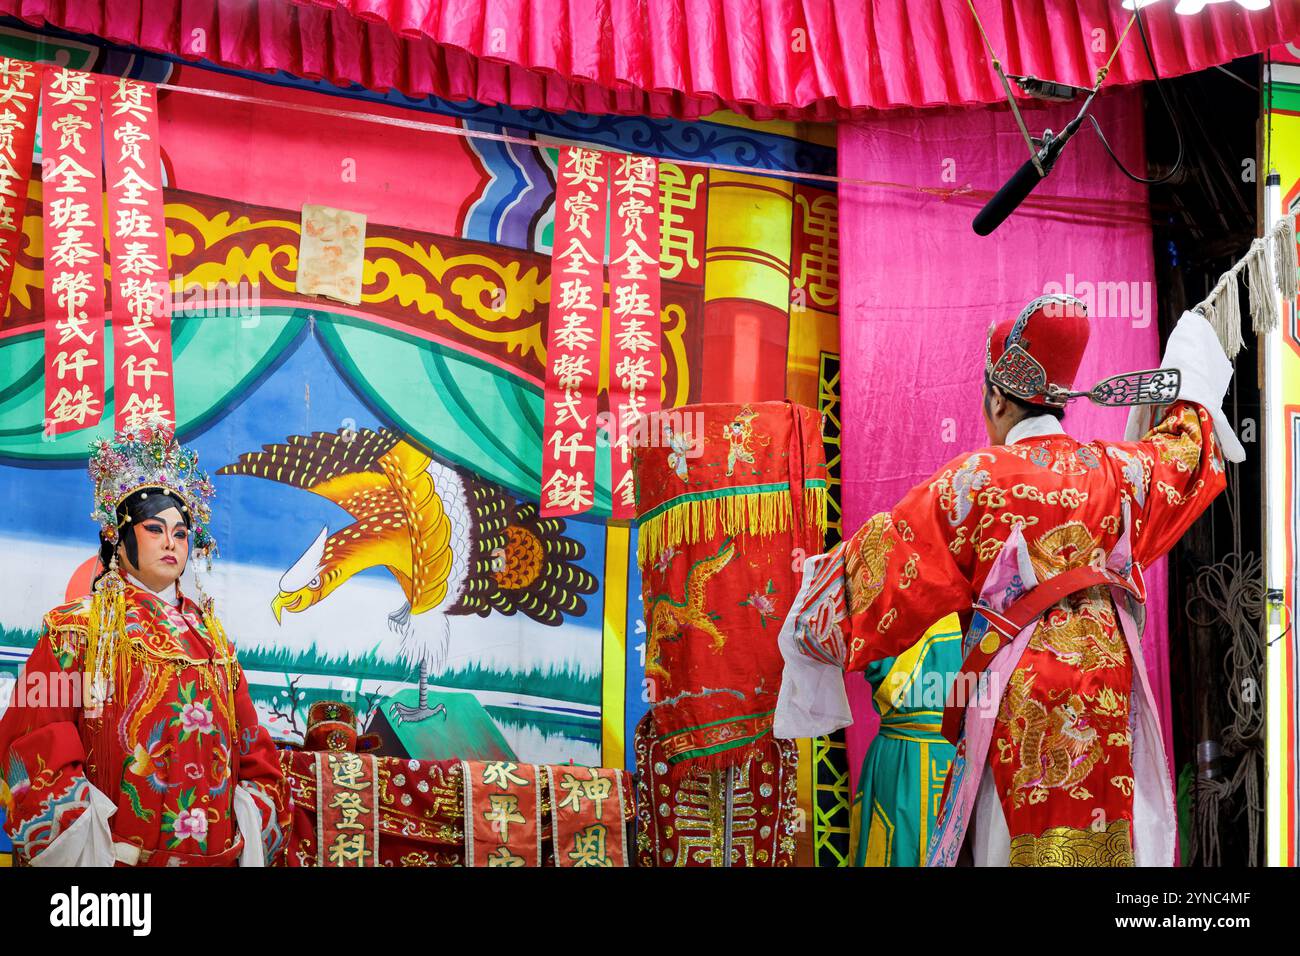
<point x="812" y="700"/>
<point x="249" y="820"/>
<point x="1194" y="350"/>
<point x="989" y="836"/>
<point x="88" y="841"/>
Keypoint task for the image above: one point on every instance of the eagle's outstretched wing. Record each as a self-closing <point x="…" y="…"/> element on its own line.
<point x="386" y="485"/>
<point x="341" y="466"/>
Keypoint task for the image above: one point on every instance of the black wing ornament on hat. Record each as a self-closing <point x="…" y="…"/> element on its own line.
<point x="1058" y="325"/>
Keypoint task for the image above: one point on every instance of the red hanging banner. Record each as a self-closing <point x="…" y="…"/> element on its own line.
<point x="587" y="816"/>
<point x="142" y="344"/>
<point x="72" y="194"/>
<point x="634" y="369"/>
<point x="20" y="89"/>
<point x="573" y="342"/>
<point x="347" y="810"/>
<point x="503" y="802"/>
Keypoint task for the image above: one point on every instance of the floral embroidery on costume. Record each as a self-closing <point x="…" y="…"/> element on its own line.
<point x="761" y="601"/>
<point x="161" y="750"/>
<point x="186" y="822"/>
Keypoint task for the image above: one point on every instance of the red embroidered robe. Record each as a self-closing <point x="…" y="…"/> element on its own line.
<point x="1061" y="748"/>
<point x="167" y="750"/>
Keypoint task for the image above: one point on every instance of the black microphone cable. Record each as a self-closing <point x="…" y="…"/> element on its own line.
<point x="1173" y="119"/>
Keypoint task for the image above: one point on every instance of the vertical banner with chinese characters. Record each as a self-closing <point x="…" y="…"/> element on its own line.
<point x="20" y="90"/>
<point x="142" y="342"/>
<point x="573" y="343"/>
<point x="587" y="816"/>
<point x="347" y="810"/>
<point x="72" y="192"/>
<point x="502" y="803"/>
<point x="634" y="372"/>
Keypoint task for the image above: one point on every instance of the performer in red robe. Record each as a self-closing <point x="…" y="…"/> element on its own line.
<point x="131" y="738"/>
<point x="1040" y="540"/>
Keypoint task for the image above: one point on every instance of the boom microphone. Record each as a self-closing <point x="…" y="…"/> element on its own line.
<point x="1026" y="178"/>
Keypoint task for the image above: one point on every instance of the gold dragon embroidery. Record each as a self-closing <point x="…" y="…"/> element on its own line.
<point x="1057" y="747"/>
<point x="868" y="561"/>
<point x="669" y="618"/>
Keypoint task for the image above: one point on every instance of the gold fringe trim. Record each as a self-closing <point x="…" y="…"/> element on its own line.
<point x="107" y="649"/>
<point x="111" y="655"/>
<point x="222" y="652"/>
<point x="762" y="513"/>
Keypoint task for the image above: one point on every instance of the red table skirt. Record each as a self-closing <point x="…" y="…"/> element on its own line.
<point x="421" y="820"/>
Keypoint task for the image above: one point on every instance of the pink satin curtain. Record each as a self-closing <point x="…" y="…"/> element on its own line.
<point x="791" y="59"/>
<point x="919" y="288"/>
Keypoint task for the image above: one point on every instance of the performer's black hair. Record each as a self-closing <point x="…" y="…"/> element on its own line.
<point x="138" y="507"/>
<point x="1028" y="409"/>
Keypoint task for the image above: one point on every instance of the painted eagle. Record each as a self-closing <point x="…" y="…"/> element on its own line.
<point x="456" y="544"/>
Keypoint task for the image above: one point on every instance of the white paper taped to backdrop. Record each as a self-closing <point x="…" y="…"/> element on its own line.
<point x="331" y="253"/>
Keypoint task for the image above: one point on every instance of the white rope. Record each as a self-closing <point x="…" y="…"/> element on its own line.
<point x="1264" y="274"/>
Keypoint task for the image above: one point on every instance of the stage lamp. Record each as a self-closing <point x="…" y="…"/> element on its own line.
<point x="1193" y="7"/>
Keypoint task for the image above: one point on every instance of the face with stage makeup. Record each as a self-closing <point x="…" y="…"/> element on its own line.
<point x="161" y="548"/>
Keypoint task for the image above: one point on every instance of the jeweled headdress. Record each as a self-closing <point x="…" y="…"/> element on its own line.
<point x="148" y="456"/>
<point x="139" y="460"/>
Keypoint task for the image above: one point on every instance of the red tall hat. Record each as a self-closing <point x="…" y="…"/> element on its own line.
<point x="1036" y="356"/>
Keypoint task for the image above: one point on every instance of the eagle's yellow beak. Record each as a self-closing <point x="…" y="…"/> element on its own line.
<point x="278" y="604"/>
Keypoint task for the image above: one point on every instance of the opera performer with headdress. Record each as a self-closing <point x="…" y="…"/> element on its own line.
<point x="1038" y="542"/>
<point x="131" y="738"/>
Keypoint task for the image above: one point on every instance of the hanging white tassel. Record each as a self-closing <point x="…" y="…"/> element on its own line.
<point x="1260" y="286"/>
<point x="1285" y="265"/>
<point x="1227" y="313"/>
<point x="1267" y="268"/>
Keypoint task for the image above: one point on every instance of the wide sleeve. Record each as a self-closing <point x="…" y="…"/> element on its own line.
<point x="1181" y="448"/>
<point x="1184" y="474"/>
<point x="44" y="788"/>
<point x="262" y="795"/>
<point x="908" y="568"/>
<point x="871" y="597"/>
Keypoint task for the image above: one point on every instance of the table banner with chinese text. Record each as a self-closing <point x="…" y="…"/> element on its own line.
<point x="573" y="345"/>
<point x="587" y="816"/>
<point x="20" y="90"/>
<point x="142" y="346"/>
<point x="634" y="370"/>
<point x="503" y="802"/>
<point x="72" y="192"/>
<point x="347" y="810"/>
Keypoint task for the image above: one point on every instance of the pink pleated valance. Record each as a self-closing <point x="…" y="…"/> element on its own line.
<point x="793" y="59"/>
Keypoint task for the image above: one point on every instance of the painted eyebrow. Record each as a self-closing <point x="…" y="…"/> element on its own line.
<point x="178" y="526"/>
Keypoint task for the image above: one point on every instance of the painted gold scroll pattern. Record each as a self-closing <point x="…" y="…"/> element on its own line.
<point x="484" y="299"/>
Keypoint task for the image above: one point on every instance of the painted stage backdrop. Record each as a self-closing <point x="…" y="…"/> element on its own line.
<point x="430" y="386"/>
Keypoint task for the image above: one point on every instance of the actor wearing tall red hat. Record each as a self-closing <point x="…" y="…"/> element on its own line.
<point x="1039" y="540"/>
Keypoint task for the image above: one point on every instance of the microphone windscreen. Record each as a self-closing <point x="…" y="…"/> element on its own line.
<point x="1006" y="200"/>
